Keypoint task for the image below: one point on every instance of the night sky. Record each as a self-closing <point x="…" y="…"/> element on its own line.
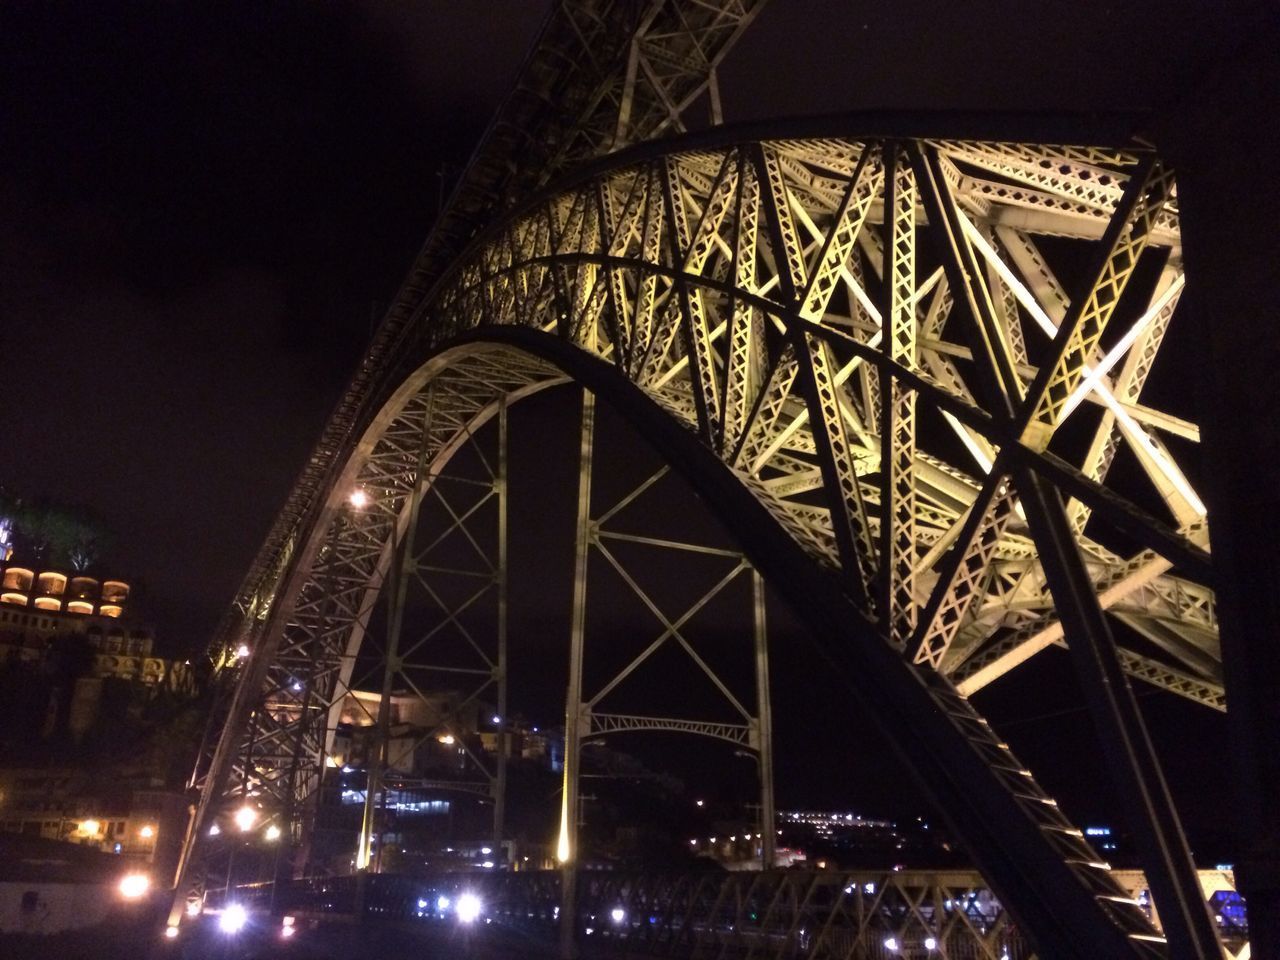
<point x="203" y="208"/>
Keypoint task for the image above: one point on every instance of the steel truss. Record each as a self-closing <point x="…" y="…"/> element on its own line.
<point x="797" y="306"/>
<point x="799" y="915"/>
<point x="587" y="715"/>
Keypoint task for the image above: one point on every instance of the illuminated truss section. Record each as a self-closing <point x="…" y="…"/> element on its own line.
<point x="923" y="360"/>
<point x="762" y="295"/>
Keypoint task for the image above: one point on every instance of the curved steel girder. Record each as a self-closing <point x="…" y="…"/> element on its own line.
<point x="1033" y="857"/>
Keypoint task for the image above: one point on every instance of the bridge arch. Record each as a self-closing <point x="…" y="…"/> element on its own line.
<point x="725" y="301"/>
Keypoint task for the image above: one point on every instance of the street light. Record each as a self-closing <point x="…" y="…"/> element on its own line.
<point x="233" y="919"/>
<point x="133" y="886"/>
<point x="245" y="818"/>
<point x="359" y="499"/>
<point x="273" y="832"/>
<point x="468" y="908"/>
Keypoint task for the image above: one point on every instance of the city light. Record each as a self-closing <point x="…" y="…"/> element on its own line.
<point x="273" y="832"/>
<point x="233" y="919"/>
<point x="193" y="908"/>
<point x="134" y="885"/>
<point x="171" y="932"/>
<point x="617" y="914"/>
<point x="930" y="943"/>
<point x="486" y="850"/>
<point x="214" y="830"/>
<point x="245" y="818"/>
<point x="147" y="832"/>
<point x="442" y="903"/>
<point x="242" y="651"/>
<point x="287" y="929"/>
<point x="447" y="739"/>
<point x="359" y="499"/>
<point x="697" y="803"/>
<point x="891" y="944"/>
<point x="488" y="864"/>
<point x="496" y="718"/>
<point x="89" y="826"/>
<point x="468" y="908"/>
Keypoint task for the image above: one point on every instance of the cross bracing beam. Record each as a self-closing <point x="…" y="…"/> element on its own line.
<point x="810" y="449"/>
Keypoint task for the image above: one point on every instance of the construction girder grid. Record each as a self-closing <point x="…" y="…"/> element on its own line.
<point x="882" y="342"/>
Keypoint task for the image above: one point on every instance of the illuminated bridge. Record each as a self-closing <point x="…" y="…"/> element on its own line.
<point x="898" y="357"/>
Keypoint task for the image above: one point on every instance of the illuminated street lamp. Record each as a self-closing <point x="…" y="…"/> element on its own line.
<point x="245" y="818"/>
<point x="147" y="832"/>
<point x="134" y="886"/>
<point x="273" y="833"/>
<point x="359" y="499"/>
<point x="233" y="919"/>
<point x="468" y="908"/>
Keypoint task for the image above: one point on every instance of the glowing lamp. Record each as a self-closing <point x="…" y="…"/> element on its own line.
<point x="273" y="832"/>
<point x="90" y="826"/>
<point x="233" y="919"/>
<point x="359" y="499"/>
<point x="134" y="886"/>
<point x="245" y="818"/>
<point x="171" y="932"/>
<point x="468" y="908"/>
<point x="147" y="832"/>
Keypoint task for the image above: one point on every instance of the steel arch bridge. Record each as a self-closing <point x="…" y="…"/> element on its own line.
<point x="897" y="356"/>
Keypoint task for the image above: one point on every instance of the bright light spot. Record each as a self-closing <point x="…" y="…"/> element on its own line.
<point x="273" y="832"/>
<point x="89" y="826"/>
<point x="447" y="739"/>
<point x="486" y="850"/>
<point x="214" y="831"/>
<point x="488" y="864"/>
<point x="233" y="919"/>
<point x="242" y="651"/>
<point x="287" y="921"/>
<point x="930" y="943"/>
<point x="134" y="885"/>
<point x="713" y="839"/>
<point x="869" y="888"/>
<point x="617" y="914"/>
<point x="359" y="499"/>
<point x="171" y="932"/>
<point x="245" y="818"/>
<point x="697" y="803"/>
<point x="693" y="843"/>
<point x="330" y="761"/>
<point x="288" y="931"/>
<point x="442" y="903"/>
<point x="146" y="833"/>
<point x="496" y="718"/>
<point x="297" y="687"/>
<point x="193" y="908"/>
<point x="891" y="944"/>
<point x="590" y="931"/>
<point x="468" y="908"/>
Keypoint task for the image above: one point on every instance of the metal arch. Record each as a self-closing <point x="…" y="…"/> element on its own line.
<point x="739" y="734"/>
<point x="542" y="271"/>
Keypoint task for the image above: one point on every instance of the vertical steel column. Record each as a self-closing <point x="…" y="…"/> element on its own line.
<point x="402" y="568"/>
<point x="498" y="789"/>
<point x="567" y="848"/>
<point x="764" y="727"/>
